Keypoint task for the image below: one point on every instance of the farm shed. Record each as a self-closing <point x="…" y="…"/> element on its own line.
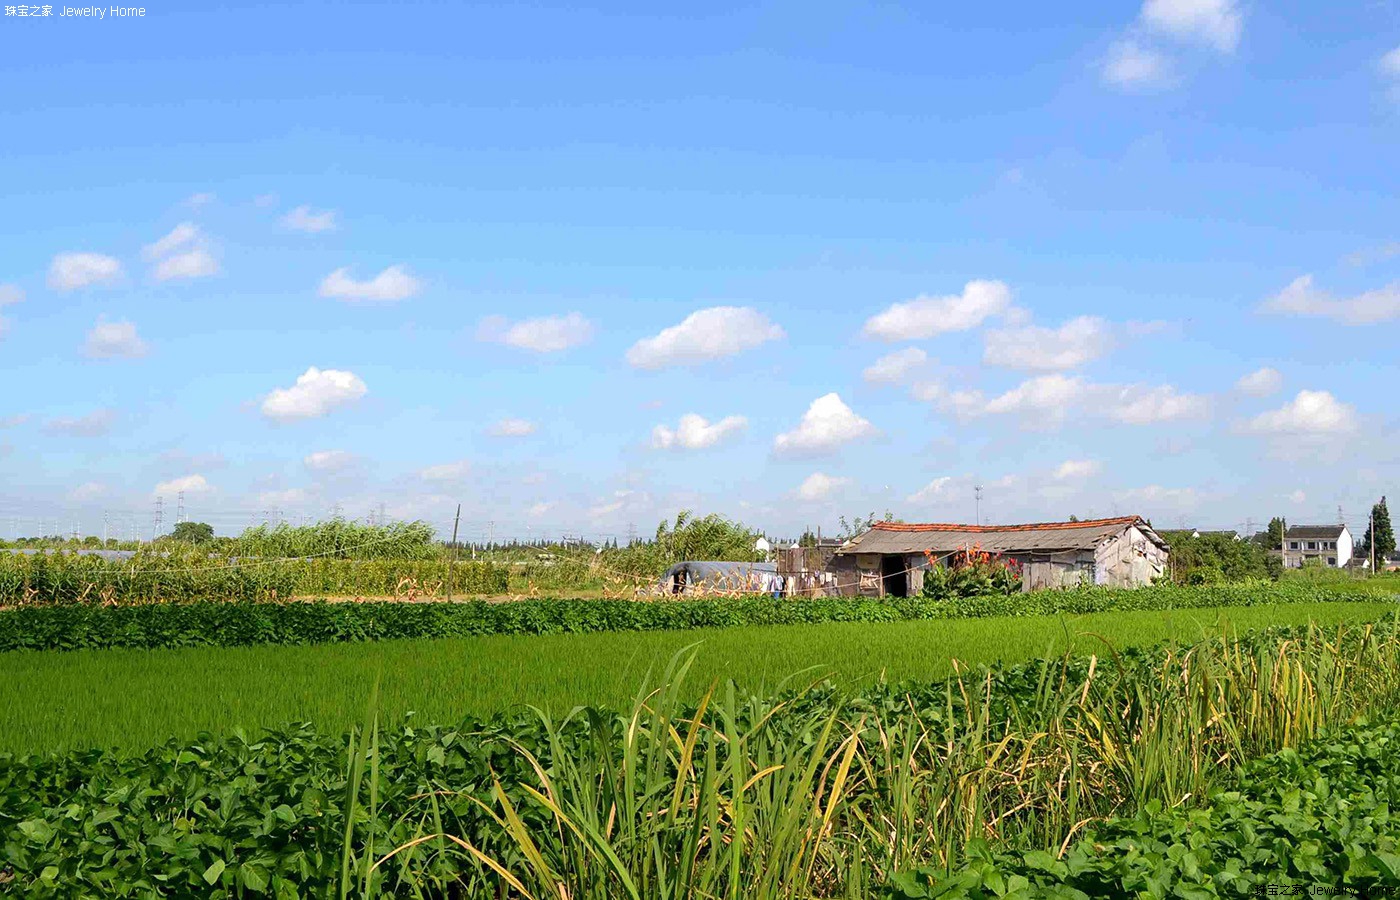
<point x="890" y="558"/>
<point x="716" y="576"/>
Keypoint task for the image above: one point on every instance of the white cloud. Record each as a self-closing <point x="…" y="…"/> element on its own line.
<point x="190" y="484"/>
<point x="1260" y="382"/>
<point x="179" y="236"/>
<point x="1047" y="395"/>
<point x="934" y="490"/>
<point x="620" y="500"/>
<point x="1311" y="413"/>
<point x="1078" y="341"/>
<point x="303" y="218"/>
<point x="316" y="392"/>
<point x="705" y="335"/>
<point x="196" y="262"/>
<point x="1216" y="23"/>
<point x="539" y="509"/>
<point x="14" y="421"/>
<point x="93" y="424"/>
<point x="1076" y="469"/>
<point x="87" y="492"/>
<point x="393" y="284"/>
<point x="827" y="424"/>
<point x="1300" y="298"/>
<point x="694" y="432"/>
<point x="114" y="340"/>
<point x="1159" y="497"/>
<point x="1390" y="63"/>
<point x="547" y="334"/>
<point x="329" y="460"/>
<point x="925" y="317"/>
<point x="1137" y="404"/>
<point x="452" y="471"/>
<point x="1131" y="65"/>
<point x="70" y="271"/>
<point x="9" y="293"/>
<point x="289" y="497"/>
<point x="819" y="485"/>
<point x="512" y="428"/>
<point x="894" y="368"/>
<point x="1298" y="496"/>
<point x="197" y="201"/>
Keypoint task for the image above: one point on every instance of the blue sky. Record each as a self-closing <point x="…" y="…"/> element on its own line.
<point x="294" y="256"/>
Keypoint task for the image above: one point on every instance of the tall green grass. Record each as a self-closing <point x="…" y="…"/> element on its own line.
<point x="134" y="699"/>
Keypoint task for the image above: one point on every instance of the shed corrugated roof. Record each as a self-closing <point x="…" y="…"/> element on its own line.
<point x="898" y="537"/>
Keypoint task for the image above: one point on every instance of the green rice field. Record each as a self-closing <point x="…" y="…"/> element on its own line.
<point x="136" y="698"/>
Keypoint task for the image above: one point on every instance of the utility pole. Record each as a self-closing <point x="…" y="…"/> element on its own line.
<point x="1373" y="540"/>
<point x="104" y="529"/>
<point x="977" y="491"/>
<point x="631" y="534"/>
<point x="456" y="520"/>
<point x="180" y="509"/>
<point x="160" y="515"/>
<point x="490" y="534"/>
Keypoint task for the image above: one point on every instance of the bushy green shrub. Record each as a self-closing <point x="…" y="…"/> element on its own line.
<point x="972" y="573"/>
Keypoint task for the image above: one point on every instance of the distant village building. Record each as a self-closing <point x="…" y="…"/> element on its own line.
<point x="1330" y="545"/>
<point x="889" y="559"/>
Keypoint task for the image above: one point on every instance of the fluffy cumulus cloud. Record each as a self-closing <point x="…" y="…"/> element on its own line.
<point x="88" y="492"/>
<point x="705" y="335"/>
<point x="1077" y="469"/>
<point x="304" y="218"/>
<point x="197" y="262"/>
<point x="182" y="235"/>
<point x="190" y="484"/>
<point x="896" y="367"/>
<point x="93" y="424"/>
<point x="114" y="340"/>
<point x="1301" y="298"/>
<point x="446" y="472"/>
<point x="70" y="271"/>
<point x="180" y="255"/>
<point x="539" y="509"/>
<point x="1130" y="65"/>
<point x="1137" y="404"/>
<point x="694" y="432"/>
<point x="935" y="490"/>
<point x="1260" y="382"/>
<point x="1155" y="496"/>
<point x="1310" y="413"/>
<point x="389" y="286"/>
<point x="329" y="460"/>
<point x="1215" y="23"/>
<point x="1078" y="341"/>
<point x="547" y="334"/>
<point x="1298" y="496"/>
<point x="316" y="393"/>
<point x="926" y="317"/>
<point x="819" y="486"/>
<point x="508" y="428"/>
<point x="1047" y="400"/>
<point x="828" y="424"/>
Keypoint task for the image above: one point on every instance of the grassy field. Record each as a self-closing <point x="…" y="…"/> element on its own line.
<point x="134" y="699"/>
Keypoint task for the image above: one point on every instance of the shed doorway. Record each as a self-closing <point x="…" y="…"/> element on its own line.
<point x="894" y="577"/>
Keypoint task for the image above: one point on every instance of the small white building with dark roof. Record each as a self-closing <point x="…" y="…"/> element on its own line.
<point x="1328" y="545"/>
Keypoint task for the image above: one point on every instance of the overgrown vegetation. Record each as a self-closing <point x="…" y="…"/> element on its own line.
<point x="1216" y="558"/>
<point x="57" y="579"/>
<point x="810" y="793"/>
<point x="971" y="573"/>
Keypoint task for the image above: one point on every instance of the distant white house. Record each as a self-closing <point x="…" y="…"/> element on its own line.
<point x="762" y="546"/>
<point x="1328" y="544"/>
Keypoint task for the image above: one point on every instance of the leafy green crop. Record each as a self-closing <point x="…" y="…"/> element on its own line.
<point x="811" y="793"/>
<point x="1322" y="819"/>
<point x="155" y="625"/>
